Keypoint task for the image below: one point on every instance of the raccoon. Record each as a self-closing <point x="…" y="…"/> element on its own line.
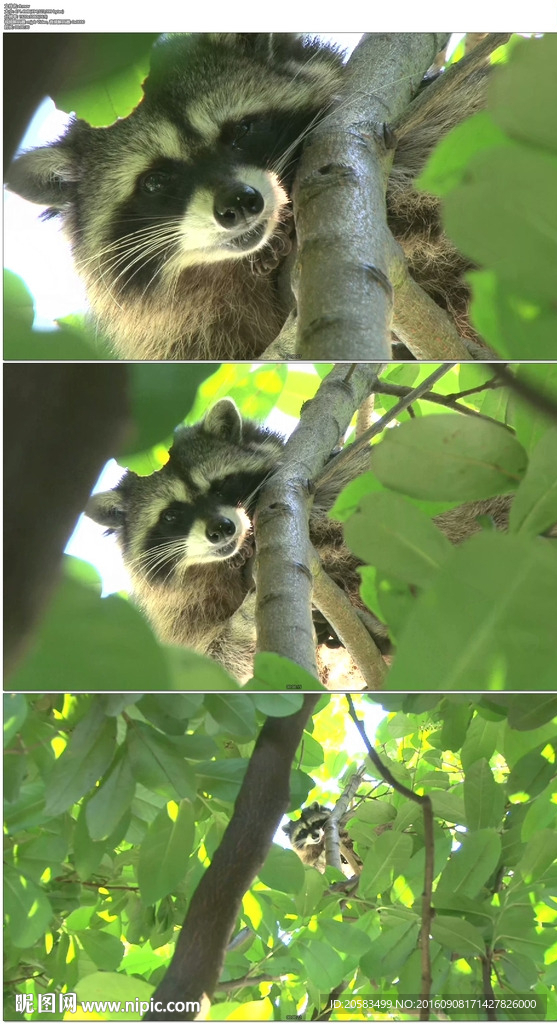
<point x="179" y="214"/>
<point x="187" y="542"/>
<point x="307" y="839"/>
<point x="186" y="537"/>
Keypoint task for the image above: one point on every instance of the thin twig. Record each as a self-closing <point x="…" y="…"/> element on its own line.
<point x="425" y="803"/>
<point x="376" y="429"/>
<point x="448" y="401"/>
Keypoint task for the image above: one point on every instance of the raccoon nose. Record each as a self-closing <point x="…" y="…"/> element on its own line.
<point x="237" y="205"/>
<point x="219" y="528"/>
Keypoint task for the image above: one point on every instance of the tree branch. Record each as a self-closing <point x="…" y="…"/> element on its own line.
<point x="263" y="798"/>
<point x="284" y="579"/>
<point x="342" y="274"/>
<point x="426" y="329"/>
<point x="337" y="608"/>
<point x="332" y="836"/>
<point x="425" y="804"/>
<point x="448" y="401"/>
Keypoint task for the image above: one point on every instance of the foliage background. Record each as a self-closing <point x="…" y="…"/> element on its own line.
<point x="115" y="803"/>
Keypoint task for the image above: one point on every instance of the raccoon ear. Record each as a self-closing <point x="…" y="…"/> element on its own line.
<point x="106" y="508"/>
<point x="45" y="175"/>
<point x="224" y="420"/>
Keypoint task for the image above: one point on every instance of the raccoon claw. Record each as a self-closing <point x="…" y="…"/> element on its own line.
<point x="271" y="255"/>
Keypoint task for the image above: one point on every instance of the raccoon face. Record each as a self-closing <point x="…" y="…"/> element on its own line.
<point x="307" y="834"/>
<point x="198" y="173"/>
<point x="197" y="508"/>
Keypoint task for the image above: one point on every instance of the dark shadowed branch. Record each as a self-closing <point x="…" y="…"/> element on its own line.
<point x="214" y="907"/>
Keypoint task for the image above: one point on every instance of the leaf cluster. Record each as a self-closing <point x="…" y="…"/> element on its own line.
<point x="497" y="175"/>
<point x="116" y="804"/>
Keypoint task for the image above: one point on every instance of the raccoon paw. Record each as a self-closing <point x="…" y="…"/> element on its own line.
<point x="274" y="252"/>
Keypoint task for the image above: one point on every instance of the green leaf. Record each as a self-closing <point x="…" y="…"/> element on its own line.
<point x="449" y="806"/>
<point x="484" y="799"/>
<point x="503" y="216"/>
<point x="481" y="739"/>
<point x="90" y="644"/>
<point x="45" y="851"/>
<point x="79" y="919"/>
<point x="531" y="423"/>
<point x="88" y="754"/>
<point x="533" y="772"/>
<point x="15" y="713"/>
<point x="514" y="930"/>
<point x="112" y="798"/>
<point x="539" y="815"/>
<point x="161" y="395"/>
<point x="350" y="497"/>
<point x="222" y="779"/>
<point x="283" y="870"/>
<point x="459" y="936"/>
<point x="235" y="714"/>
<point x="324" y="967"/>
<point x="470" y="867"/>
<point x="514" y="324"/>
<point x="345" y="936"/>
<point x="393" y="535"/>
<point x="28" y="911"/>
<point x="486" y="623"/>
<point x="539" y="855"/>
<point x="18" y="301"/>
<point x="391" y="950"/>
<point x="107" y="84"/>
<point x="192" y="671"/>
<point x="105" y="950"/>
<point x="522" y="93"/>
<point x="525" y="714"/>
<point x="273" y="672"/>
<point x="309" y="896"/>
<point x="278" y="705"/>
<point x="520" y="971"/>
<point x="384" y="862"/>
<point x="118" y="987"/>
<point x="447" y="166"/>
<point x="456" y="725"/>
<point x="164" y="853"/>
<point x="534" y="508"/>
<point x="159" y="764"/>
<point x="450" y="458"/>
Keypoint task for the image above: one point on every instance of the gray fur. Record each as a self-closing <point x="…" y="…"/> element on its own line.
<point x="165" y="278"/>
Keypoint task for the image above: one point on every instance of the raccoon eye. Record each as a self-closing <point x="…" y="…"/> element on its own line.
<point x="241" y="130"/>
<point x="169" y="515"/>
<point x="155" y="181"/>
<point x="235" y="134"/>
